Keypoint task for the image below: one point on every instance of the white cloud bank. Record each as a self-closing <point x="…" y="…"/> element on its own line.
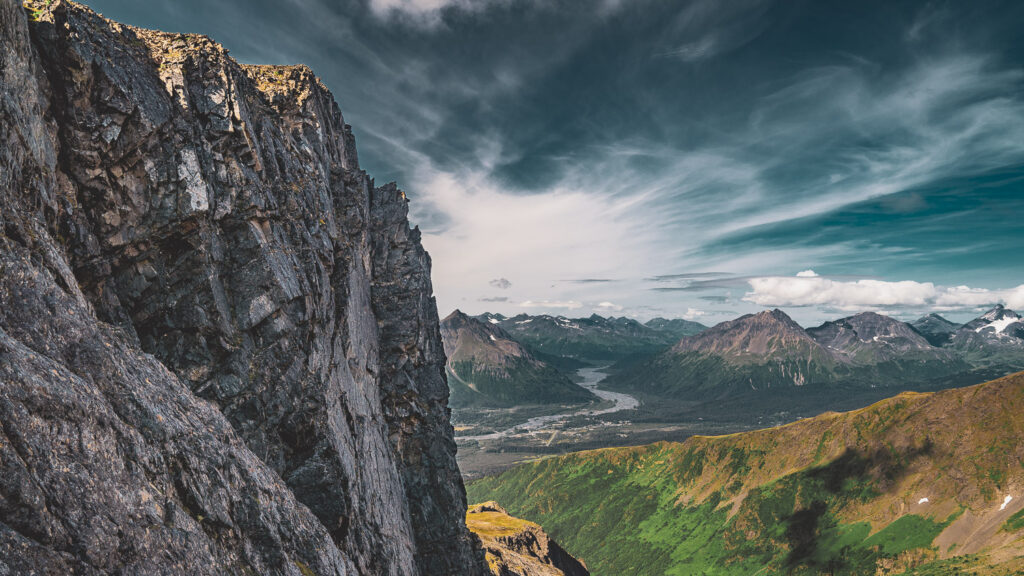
<point x="806" y="289"/>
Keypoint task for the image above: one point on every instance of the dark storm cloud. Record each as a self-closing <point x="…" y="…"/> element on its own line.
<point x="622" y="139"/>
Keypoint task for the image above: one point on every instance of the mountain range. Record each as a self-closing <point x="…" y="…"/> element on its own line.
<point x="921" y="483"/>
<point x="486" y="367"/>
<point x="995" y="338"/>
<point x="769" y="350"/>
<point x="596" y="339"/>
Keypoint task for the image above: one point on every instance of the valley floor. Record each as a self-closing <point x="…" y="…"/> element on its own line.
<point x="490" y="441"/>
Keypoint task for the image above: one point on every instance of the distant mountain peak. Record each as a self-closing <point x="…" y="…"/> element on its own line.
<point x="873" y="337"/>
<point x="766" y="333"/>
<point x="487" y="366"/>
<point x="996" y="320"/>
<point x="935" y="328"/>
<point x="998" y="313"/>
<point x="995" y="336"/>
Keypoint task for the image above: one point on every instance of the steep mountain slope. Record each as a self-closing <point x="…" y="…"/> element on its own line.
<point x="219" y="351"/>
<point x="517" y="547"/>
<point x="919" y="483"/>
<point x="487" y="367"/>
<point x="935" y="328"/>
<point x="595" y="339"/>
<point x="995" y="338"/>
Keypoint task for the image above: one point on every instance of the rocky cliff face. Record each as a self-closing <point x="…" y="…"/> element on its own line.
<point x="218" y="345"/>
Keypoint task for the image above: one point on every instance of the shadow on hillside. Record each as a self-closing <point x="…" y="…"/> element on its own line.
<point x="857" y="474"/>
<point x="883" y="466"/>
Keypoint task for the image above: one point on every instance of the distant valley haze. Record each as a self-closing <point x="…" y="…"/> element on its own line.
<point x="697" y="160"/>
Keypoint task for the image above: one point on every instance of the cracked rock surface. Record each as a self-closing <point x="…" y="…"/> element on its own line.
<point x="219" y="350"/>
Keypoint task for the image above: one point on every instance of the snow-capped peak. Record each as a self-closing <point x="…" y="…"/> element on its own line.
<point x="1000" y="320"/>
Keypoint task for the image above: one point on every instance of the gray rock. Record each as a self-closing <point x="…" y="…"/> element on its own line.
<point x="219" y="352"/>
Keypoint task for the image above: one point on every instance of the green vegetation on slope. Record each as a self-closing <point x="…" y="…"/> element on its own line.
<point x="623" y="517"/>
<point x="837" y="494"/>
<point x="1015" y="522"/>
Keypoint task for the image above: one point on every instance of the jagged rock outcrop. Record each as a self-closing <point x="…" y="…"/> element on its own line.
<point x="517" y="547"/>
<point x="219" y="351"/>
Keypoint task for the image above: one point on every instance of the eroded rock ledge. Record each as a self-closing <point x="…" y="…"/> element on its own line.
<point x="219" y="350"/>
<point x="517" y="547"/>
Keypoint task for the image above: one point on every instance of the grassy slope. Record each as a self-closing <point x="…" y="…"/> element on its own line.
<point x="834" y="494"/>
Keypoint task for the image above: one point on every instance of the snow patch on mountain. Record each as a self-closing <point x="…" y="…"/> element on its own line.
<point x="1001" y="324"/>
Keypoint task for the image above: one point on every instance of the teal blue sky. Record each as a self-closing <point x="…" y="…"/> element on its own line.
<point x="676" y="158"/>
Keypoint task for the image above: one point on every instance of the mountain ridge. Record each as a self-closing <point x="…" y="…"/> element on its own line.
<point x="592" y="340"/>
<point x="898" y="486"/>
<point x="768" y="350"/>
<point x="488" y="367"/>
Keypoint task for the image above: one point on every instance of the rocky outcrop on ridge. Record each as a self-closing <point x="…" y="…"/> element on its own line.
<point x="517" y="547"/>
<point x="219" y="350"/>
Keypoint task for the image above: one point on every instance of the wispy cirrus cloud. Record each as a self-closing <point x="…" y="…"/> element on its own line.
<point x="545" y="143"/>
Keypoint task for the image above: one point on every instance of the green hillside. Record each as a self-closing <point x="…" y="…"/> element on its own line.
<point x="910" y="485"/>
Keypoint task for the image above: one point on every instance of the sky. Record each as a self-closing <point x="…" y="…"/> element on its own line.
<point x="697" y="159"/>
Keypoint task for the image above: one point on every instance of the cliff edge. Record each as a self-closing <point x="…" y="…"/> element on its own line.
<point x="517" y="547"/>
<point x="219" y="350"/>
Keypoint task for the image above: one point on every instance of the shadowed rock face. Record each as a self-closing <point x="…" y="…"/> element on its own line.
<point x="936" y="329"/>
<point x="218" y="343"/>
